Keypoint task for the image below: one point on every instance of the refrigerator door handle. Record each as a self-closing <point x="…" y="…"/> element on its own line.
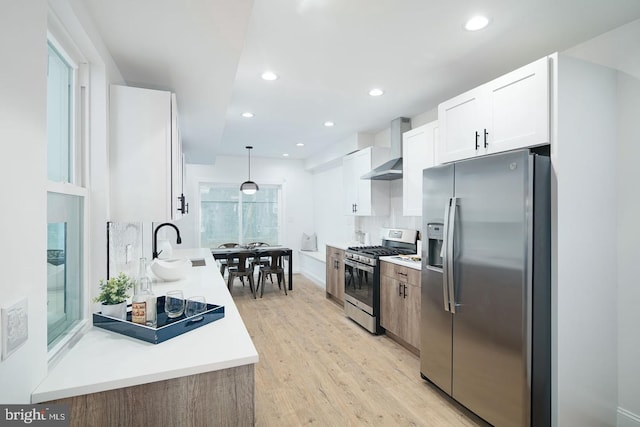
<point x="445" y="257"/>
<point x="450" y="238"/>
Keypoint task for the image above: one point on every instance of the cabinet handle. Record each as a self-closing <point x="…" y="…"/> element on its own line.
<point x="405" y="290"/>
<point x="184" y="207"/>
<point x="355" y="207"/>
<point x="399" y="289"/>
<point x="402" y="274"/>
<point x="485" y="138"/>
<point x="477" y="136"/>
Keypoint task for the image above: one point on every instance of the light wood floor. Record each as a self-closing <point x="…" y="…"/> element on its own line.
<point x="318" y="367"/>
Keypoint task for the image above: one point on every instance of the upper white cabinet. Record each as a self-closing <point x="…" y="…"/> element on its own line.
<point x="461" y="120"/>
<point x="363" y="196"/>
<point x="145" y="155"/>
<point x="509" y="112"/>
<point x="418" y="153"/>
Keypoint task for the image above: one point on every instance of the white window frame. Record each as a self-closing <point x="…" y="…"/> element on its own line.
<point x="79" y="175"/>
<point x="281" y="205"/>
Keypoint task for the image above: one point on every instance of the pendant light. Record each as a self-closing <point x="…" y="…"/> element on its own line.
<point x="249" y="187"/>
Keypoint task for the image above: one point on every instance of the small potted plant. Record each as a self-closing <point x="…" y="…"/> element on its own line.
<point x="113" y="296"/>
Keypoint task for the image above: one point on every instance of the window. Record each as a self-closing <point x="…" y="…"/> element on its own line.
<point x="64" y="263"/>
<point x="65" y="196"/>
<point x="229" y="216"/>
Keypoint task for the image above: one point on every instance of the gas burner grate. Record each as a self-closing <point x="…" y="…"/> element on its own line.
<point x="378" y="251"/>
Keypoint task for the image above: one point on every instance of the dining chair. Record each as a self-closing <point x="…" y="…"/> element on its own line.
<point x="275" y="266"/>
<point x="259" y="261"/>
<point x="226" y="263"/>
<point x="244" y="268"/>
<point x="257" y="244"/>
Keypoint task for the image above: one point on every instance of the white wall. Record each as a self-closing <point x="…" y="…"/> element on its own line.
<point x="628" y="232"/>
<point x="584" y="294"/>
<point x="23" y="120"/>
<point x="23" y="26"/>
<point x="297" y="194"/>
<point x="335" y="227"/>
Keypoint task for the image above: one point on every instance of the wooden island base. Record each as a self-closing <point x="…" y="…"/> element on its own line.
<point x="224" y="397"/>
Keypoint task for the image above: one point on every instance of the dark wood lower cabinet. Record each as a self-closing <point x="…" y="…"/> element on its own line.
<point x="335" y="274"/>
<point x="400" y="303"/>
<point x="217" y="398"/>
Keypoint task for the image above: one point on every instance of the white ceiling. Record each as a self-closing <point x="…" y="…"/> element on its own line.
<point x="328" y="54"/>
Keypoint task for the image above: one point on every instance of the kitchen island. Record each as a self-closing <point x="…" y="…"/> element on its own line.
<point x="203" y="377"/>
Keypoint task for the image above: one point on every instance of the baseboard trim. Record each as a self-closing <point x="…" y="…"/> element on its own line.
<point x="627" y="418"/>
<point x="316" y="280"/>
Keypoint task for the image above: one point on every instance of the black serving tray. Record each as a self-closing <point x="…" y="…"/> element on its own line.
<point x="167" y="328"/>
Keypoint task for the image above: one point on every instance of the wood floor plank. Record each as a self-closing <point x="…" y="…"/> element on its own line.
<point x="317" y="367"/>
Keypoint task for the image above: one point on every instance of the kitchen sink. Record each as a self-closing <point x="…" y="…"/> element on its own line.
<point x="198" y="262"/>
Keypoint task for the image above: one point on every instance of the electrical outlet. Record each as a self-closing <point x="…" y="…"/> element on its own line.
<point x="15" y="327"/>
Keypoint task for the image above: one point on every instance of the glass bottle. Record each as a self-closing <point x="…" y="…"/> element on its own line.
<point x="143" y="307"/>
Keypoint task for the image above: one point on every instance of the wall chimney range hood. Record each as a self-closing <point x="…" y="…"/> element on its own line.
<point x="393" y="168"/>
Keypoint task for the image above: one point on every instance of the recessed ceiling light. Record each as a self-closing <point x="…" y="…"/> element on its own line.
<point x="300" y="144"/>
<point x="329" y="124"/>
<point x="247" y="114"/>
<point x="376" y="92"/>
<point x="269" y="75"/>
<point x="285" y="155"/>
<point x="476" y="23"/>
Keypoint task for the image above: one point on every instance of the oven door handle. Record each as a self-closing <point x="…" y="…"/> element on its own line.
<point x="358" y="266"/>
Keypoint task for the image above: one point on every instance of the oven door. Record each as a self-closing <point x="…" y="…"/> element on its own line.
<point x="359" y="282"/>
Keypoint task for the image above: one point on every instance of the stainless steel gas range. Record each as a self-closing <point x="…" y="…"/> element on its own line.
<point x="362" y="275"/>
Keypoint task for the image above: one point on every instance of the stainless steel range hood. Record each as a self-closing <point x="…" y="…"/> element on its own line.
<point x="393" y="168"/>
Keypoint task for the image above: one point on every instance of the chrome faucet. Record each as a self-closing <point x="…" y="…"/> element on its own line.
<point x="155" y="237"/>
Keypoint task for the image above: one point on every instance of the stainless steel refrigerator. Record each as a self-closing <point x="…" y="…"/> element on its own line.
<point x="485" y="319"/>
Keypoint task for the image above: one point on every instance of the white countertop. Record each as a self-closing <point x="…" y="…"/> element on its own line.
<point x="103" y="360"/>
<point x="405" y="263"/>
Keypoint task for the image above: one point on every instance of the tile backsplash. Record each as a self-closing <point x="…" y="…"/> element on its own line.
<point x="125" y="247"/>
<point x="395" y="219"/>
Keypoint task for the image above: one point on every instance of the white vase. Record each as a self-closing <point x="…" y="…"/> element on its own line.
<point x="115" y="310"/>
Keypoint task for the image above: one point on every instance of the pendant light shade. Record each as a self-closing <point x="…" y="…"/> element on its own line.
<point x="249" y="187"/>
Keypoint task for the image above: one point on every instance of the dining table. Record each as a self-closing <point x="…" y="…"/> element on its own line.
<point x="256" y="252"/>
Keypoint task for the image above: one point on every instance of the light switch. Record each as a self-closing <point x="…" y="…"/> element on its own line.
<point x="15" y="327"/>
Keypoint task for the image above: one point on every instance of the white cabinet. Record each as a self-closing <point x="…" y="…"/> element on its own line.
<point x="460" y="121"/>
<point x="145" y="155"/>
<point x="509" y="112"/>
<point x="418" y="153"/>
<point x="363" y="196"/>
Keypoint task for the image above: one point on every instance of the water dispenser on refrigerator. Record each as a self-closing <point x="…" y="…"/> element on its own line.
<point x="435" y="234"/>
